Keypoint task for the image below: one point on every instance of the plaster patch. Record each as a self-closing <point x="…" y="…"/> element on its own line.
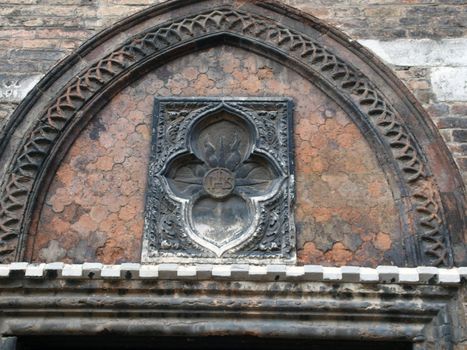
<point x="13" y="88"/>
<point x="420" y="52"/>
<point x="449" y="83"/>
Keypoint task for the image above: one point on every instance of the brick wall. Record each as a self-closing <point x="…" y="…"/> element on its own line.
<point x="423" y="41"/>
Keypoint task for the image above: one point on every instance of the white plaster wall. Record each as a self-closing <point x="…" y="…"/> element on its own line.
<point x="446" y="60"/>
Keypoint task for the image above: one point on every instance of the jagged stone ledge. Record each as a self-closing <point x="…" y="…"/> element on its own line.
<point x="240" y="272"/>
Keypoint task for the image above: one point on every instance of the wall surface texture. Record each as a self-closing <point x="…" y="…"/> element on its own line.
<point x="94" y="207"/>
<point x="374" y="184"/>
<point x="423" y="41"/>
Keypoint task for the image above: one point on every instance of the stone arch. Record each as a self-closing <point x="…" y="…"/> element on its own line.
<point x="427" y="186"/>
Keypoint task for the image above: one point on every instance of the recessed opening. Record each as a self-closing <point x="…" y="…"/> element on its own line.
<point x="197" y="343"/>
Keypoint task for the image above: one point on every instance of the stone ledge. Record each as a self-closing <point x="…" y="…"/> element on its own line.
<point x="354" y="274"/>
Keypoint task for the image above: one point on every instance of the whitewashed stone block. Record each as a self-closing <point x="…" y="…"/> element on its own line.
<point x="332" y="274"/>
<point x="72" y="271"/>
<point x="35" y="271"/>
<point x="408" y="275"/>
<point x="450" y="83"/>
<point x="110" y="271"/>
<point x="425" y="273"/>
<point x="448" y="276"/>
<point x="149" y="271"/>
<point x="368" y="275"/>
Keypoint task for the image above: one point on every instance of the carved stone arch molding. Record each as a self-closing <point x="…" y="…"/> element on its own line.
<point x="426" y="185"/>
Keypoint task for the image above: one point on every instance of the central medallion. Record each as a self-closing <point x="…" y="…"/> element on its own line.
<point x="219" y="182"/>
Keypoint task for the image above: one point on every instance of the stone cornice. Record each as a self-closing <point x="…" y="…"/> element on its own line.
<point x="239" y="272"/>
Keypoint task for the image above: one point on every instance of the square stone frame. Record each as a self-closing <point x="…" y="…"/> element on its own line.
<point x="430" y="316"/>
<point x="162" y="152"/>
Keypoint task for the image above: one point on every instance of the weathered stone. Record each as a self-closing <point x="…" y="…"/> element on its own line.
<point x="420" y="52"/>
<point x="332" y="274"/>
<point x="408" y="275"/>
<point x="35" y="271"/>
<point x="14" y="88"/>
<point x="186" y="271"/>
<point x="72" y="271"/>
<point x="92" y="270"/>
<point x="448" y="276"/>
<point x="427" y="273"/>
<point x="368" y="275"/>
<point x="460" y="136"/>
<point x="4" y="270"/>
<point x="111" y="271"/>
<point x="148" y="272"/>
<point x="168" y="271"/>
<point x="388" y="274"/>
<point x="449" y="83"/>
<point x="350" y="273"/>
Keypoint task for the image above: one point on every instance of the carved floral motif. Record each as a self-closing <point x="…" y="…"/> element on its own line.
<point x="231" y="197"/>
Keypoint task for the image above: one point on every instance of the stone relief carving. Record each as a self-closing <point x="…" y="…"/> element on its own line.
<point x="221" y="181"/>
<point x="431" y="245"/>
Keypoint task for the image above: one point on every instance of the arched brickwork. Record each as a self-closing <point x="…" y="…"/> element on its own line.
<point x="425" y="183"/>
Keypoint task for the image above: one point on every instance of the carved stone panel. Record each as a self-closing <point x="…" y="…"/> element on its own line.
<point x="221" y="183"/>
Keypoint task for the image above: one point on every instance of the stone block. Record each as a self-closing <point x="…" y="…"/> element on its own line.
<point x="186" y="271"/>
<point x="54" y="269"/>
<point x="388" y="274"/>
<point x="4" y="270"/>
<point x="276" y="272"/>
<point x="313" y="272"/>
<point x="18" y="269"/>
<point x="452" y="123"/>
<point x="204" y="271"/>
<point x="221" y="271"/>
<point x="72" y="271"/>
<point x="368" y="275"/>
<point x="13" y="88"/>
<point x="111" y="271"/>
<point x="448" y="276"/>
<point x="295" y="272"/>
<point x="35" y="271"/>
<point x="420" y="52"/>
<point x="350" y="273"/>
<point x="129" y="270"/>
<point x="462" y="272"/>
<point x="168" y="271"/>
<point x="92" y="270"/>
<point x="427" y="273"/>
<point x="459" y="136"/>
<point x="332" y="274"/>
<point x="450" y="83"/>
<point x="149" y="272"/>
<point x="240" y="271"/>
<point x="258" y="273"/>
<point x="408" y="275"/>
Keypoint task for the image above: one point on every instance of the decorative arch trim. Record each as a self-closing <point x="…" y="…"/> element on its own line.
<point x="427" y="238"/>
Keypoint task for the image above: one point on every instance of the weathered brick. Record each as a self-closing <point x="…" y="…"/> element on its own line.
<point x="459" y="135"/>
<point x="34" y="34"/>
<point x="438" y="109"/>
<point x="459" y="108"/>
<point x="37" y="55"/>
<point x="452" y="123"/>
<point x="462" y="161"/>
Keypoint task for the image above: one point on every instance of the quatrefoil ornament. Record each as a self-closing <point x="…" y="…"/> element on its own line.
<point x="220" y="181"/>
